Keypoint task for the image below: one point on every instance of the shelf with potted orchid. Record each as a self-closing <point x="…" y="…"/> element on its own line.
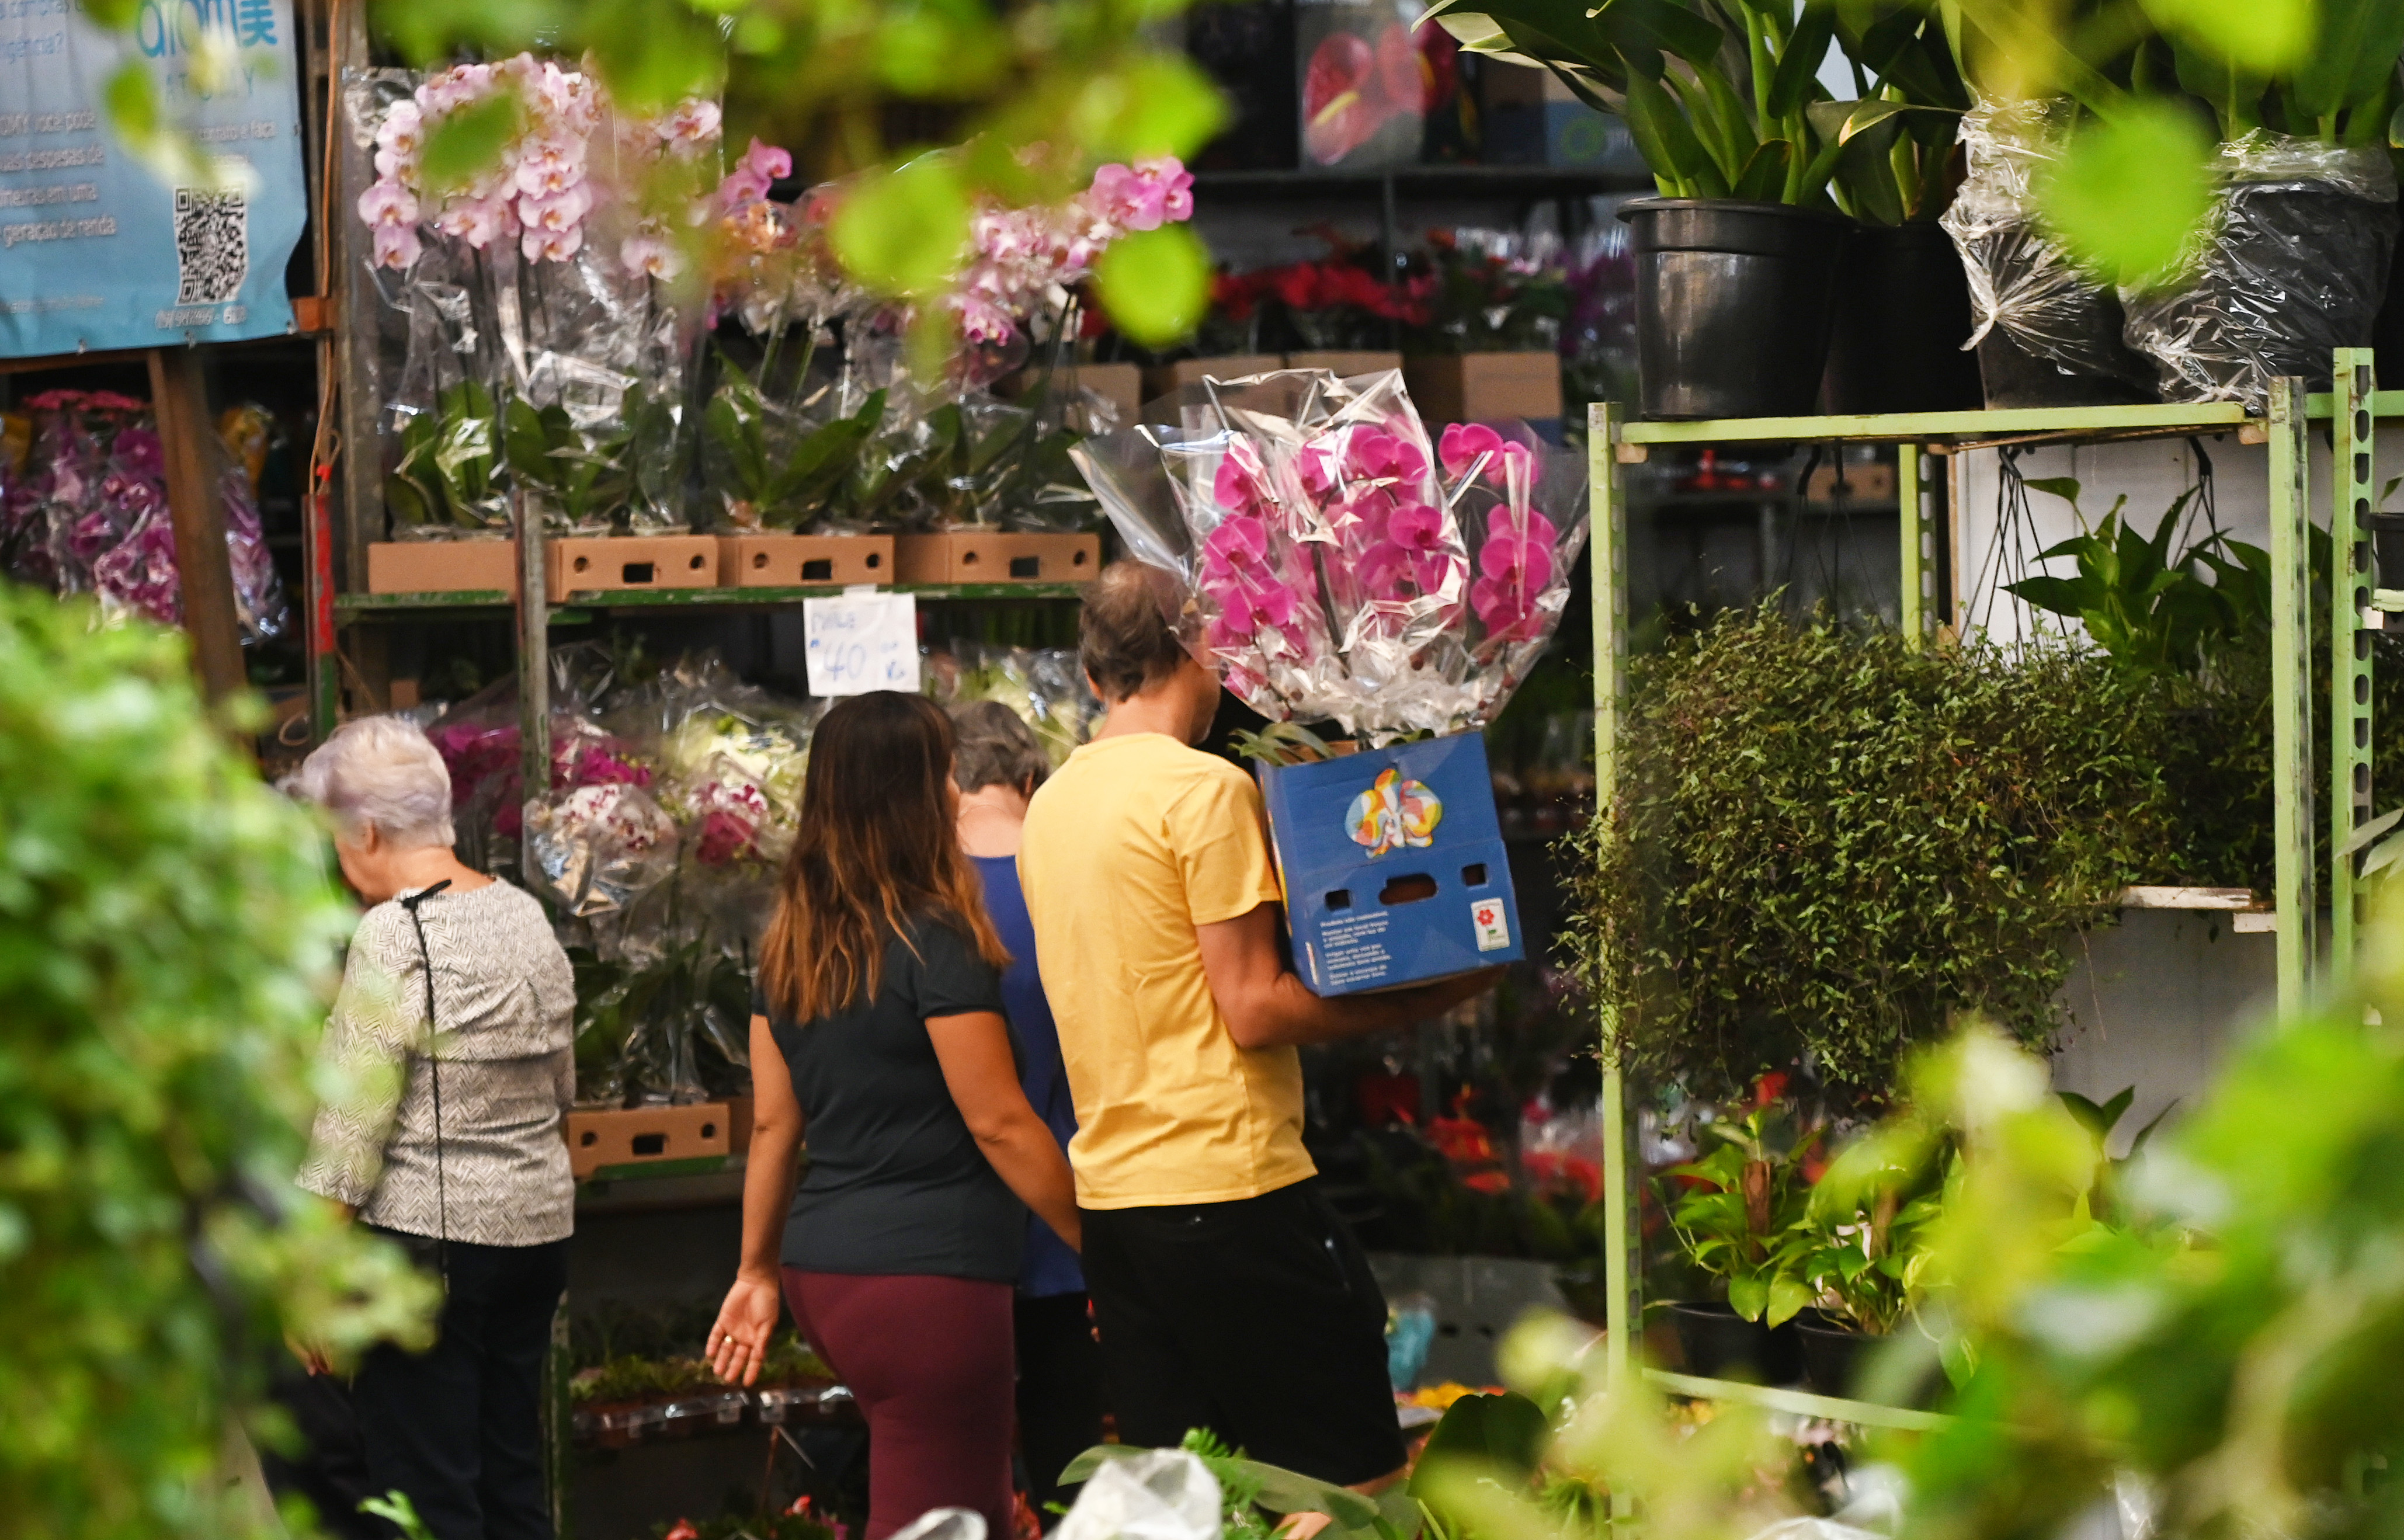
<point x="546" y="342"/>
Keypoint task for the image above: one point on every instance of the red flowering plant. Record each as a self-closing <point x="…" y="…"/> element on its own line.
<point x="1490" y="291"/>
<point x="1338" y="302"/>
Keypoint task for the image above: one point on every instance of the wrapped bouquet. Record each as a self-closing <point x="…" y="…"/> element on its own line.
<point x="1339" y="564"/>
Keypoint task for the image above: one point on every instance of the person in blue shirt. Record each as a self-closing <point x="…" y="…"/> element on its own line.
<point x="997" y="764"/>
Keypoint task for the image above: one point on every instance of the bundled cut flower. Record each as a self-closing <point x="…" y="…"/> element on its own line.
<point x="1340" y="567"/>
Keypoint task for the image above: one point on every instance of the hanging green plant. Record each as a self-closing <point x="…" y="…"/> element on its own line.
<point x="1826" y="843"/>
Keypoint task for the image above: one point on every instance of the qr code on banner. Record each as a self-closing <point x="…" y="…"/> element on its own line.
<point x="211" y="245"/>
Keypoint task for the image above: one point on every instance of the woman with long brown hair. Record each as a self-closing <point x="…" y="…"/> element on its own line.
<point x="878" y="1027"/>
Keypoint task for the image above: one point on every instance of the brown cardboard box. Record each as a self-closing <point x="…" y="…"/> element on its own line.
<point x="618" y="563"/>
<point x="1165" y="379"/>
<point x="1873" y="483"/>
<point x="1121" y="385"/>
<point x="799" y="561"/>
<point x="1343" y="366"/>
<point x="636" y="1136"/>
<point x="1485" y="387"/>
<point x="442" y="567"/>
<point x="997" y="555"/>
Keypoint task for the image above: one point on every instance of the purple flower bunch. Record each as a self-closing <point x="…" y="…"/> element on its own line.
<point x="1262" y="615"/>
<point x="1519" y="559"/>
<point x="1394" y="546"/>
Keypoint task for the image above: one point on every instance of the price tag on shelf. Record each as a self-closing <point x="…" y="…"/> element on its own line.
<point x="862" y="642"/>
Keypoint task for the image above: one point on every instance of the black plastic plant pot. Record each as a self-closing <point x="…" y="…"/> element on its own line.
<point x="1733" y="305"/>
<point x="2011" y="377"/>
<point x="1832" y="1354"/>
<point x="1902" y="314"/>
<point x="2295" y="270"/>
<point x="1720" y="1344"/>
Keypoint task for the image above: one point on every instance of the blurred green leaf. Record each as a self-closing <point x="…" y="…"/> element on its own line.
<point x="427" y="31"/>
<point x="117" y="15"/>
<point x="2268" y="36"/>
<point x="468" y="141"/>
<point x="651" y="55"/>
<point x="1158" y="107"/>
<point x="901" y="231"/>
<point x="2130" y="191"/>
<point x="1157" y="283"/>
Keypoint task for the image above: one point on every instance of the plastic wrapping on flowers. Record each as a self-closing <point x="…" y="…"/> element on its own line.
<point x="88" y="514"/>
<point x="1045" y="687"/>
<point x="672" y="800"/>
<point x="544" y="351"/>
<point x="814" y="424"/>
<point x="1339" y="566"/>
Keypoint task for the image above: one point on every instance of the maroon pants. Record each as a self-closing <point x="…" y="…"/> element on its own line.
<point x="929" y="1359"/>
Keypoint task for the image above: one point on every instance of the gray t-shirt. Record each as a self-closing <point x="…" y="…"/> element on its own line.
<point x="896" y="1181"/>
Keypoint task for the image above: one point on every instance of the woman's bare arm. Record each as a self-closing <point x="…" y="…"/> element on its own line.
<point x="978" y="1066"/>
<point x="748" y="1319"/>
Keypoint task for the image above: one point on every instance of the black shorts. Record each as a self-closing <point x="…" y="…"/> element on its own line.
<point x="1258" y="1319"/>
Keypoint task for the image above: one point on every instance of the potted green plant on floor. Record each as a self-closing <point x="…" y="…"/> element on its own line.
<point x="1730" y="1210"/>
<point x="1857" y="1252"/>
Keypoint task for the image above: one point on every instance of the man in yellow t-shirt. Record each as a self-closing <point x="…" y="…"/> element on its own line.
<point x="1227" y="1292"/>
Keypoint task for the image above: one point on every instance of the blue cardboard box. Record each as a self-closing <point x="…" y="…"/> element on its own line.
<point x="1394" y="866"/>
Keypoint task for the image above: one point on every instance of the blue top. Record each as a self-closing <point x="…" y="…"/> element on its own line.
<point x="1050" y="1267"/>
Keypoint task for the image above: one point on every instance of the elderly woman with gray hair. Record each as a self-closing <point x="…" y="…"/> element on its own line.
<point x="455" y="1021"/>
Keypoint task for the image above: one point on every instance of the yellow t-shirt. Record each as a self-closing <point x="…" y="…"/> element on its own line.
<point x="1127" y="847"/>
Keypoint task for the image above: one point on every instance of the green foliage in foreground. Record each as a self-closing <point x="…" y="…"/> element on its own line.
<point x="166" y="927"/>
<point x="1829" y="843"/>
<point x="2210" y="1328"/>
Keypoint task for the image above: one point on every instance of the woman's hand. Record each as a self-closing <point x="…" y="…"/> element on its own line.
<point x="739" y="1341"/>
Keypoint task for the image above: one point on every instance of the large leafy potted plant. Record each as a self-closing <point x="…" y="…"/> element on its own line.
<point x="1736" y="261"/>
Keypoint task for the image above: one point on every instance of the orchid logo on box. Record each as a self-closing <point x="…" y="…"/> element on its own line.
<point x="1394" y="813"/>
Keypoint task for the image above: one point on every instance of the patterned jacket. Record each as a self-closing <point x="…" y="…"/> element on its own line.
<point x="505" y="1001"/>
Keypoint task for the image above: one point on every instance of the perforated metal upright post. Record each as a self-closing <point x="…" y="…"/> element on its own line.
<point x="2291" y="699"/>
<point x="2352" y="619"/>
<point x="1918" y="548"/>
<point x="1607" y="560"/>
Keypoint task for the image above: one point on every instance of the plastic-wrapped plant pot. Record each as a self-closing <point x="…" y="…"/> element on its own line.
<point x="2293" y="264"/>
<point x="1903" y="316"/>
<point x="1734" y="303"/>
<point x="2047" y="334"/>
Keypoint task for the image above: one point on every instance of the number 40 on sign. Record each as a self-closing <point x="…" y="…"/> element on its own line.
<point x="861" y="642"/>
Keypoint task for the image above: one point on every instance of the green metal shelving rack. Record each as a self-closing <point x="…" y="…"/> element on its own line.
<point x="2351" y="411"/>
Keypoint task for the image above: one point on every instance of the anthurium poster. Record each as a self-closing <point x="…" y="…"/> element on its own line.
<point x="96" y="250"/>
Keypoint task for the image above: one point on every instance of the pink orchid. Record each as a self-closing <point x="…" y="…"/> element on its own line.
<point x="1463" y="443"/>
<point x="559" y="212"/>
<point x="1416" y="528"/>
<point x="1362" y="516"/>
<point x="552" y="245"/>
<point x="694" y="123"/>
<point x="1176" y="184"/>
<point x="387" y="204"/>
<point x="403" y="131"/>
<point x="767" y="161"/>
<point x="549" y="167"/>
<point x="1527" y="564"/>
<point x="1382" y="570"/>
<point x="982" y="320"/>
<point x="1128" y="198"/>
<point x="1506" y="611"/>
<point x="1374" y="453"/>
<point x="1238" y="486"/>
<point x="650" y="257"/>
<point x="395" y="245"/>
<point x="479" y="222"/>
<point x="1319" y="465"/>
<point x="1238" y="544"/>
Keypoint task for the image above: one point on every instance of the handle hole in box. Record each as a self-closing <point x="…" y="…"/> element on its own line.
<point x="1473" y="875"/>
<point x="651" y="1145"/>
<point x="588" y="1139"/>
<point x="1027" y="566"/>
<point x="1408" y="890"/>
<point x="1341" y="899"/>
<point x="759" y="561"/>
<point x="820" y="569"/>
<point x="582" y="563"/>
<point x="1078" y="559"/>
<point x="709" y="1130"/>
<point x="875" y="560"/>
<point x="968" y="558"/>
<point x="636" y="574"/>
<point x="695" y="565"/>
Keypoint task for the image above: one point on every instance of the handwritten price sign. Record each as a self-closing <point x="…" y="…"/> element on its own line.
<point x="862" y="642"/>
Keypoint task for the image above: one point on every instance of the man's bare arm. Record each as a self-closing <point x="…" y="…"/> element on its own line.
<point x="1266" y="1006"/>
